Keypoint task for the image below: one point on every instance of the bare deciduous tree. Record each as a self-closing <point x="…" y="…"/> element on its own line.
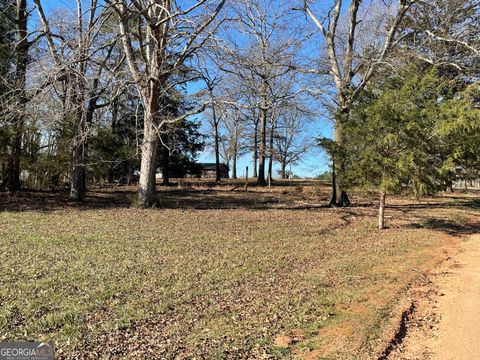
<point x="354" y="56"/>
<point x="212" y="79"/>
<point x="258" y="58"/>
<point x="289" y="144"/>
<point x="158" y="36"/>
<point x="19" y="95"/>
<point x="233" y="137"/>
<point x="80" y="60"/>
<point x="443" y="33"/>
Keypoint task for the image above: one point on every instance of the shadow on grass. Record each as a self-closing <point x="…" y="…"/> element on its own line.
<point x="458" y="202"/>
<point x="448" y="226"/>
<point x="455" y="228"/>
<point x="168" y="198"/>
<point x="46" y="201"/>
<point x="227" y="197"/>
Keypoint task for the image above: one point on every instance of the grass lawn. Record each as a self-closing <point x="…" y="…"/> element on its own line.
<point x="261" y="275"/>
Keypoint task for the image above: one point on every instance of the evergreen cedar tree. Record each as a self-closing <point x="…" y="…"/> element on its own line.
<point x="416" y="131"/>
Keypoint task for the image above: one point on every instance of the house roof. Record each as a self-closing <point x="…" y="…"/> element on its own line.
<point x="211" y="166"/>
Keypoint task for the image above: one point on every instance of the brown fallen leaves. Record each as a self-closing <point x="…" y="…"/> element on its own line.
<point x="237" y="276"/>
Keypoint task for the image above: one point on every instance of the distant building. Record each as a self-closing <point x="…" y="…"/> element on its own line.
<point x="465" y="184"/>
<point x="196" y="170"/>
<point x="208" y="170"/>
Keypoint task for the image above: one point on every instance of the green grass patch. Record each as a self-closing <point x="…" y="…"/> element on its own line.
<point x="218" y="283"/>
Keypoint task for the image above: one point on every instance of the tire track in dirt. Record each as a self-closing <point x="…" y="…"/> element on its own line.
<point x="447" y="323"/>
<point x="458" y="335"/>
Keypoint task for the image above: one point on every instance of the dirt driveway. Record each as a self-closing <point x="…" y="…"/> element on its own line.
<point x="446" y="322"/>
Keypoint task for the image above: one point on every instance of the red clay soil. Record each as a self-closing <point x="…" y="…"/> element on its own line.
<point x="446" y="322"/>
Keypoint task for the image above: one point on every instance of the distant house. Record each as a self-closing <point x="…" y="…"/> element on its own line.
<point x="208" y="170"/>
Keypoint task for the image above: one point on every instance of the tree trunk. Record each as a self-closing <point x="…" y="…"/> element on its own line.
<point x="416" y="190"/>
<point x="13" y="165"/>
<point x="166" y="166"/>
<point x="449" y="186"/>
<point x="270" y="155"/>
<point x="234" y="164"/>
<point x="270" y="168"/>
<point x="255" y="149"/>
<point x="78" y="183"/>
<point x="381" y="210"/>
<point x="148" y="164"/>
<point x="283" y="171"/>
<point x="263" y="140"/>
<point x="77" y="177"/>
<point x="339" y="196"/>
<point x="334" y="183"/>
<point x="216" y="145"/>
<point x="110" y="174"/>
<point x="114" y="110"/>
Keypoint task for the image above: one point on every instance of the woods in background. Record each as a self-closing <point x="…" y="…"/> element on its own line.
<point x="99" y="91"/>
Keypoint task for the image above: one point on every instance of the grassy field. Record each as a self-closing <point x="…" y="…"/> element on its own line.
<point x="216" y="273"/>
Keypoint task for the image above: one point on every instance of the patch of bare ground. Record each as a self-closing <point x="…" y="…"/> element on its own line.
<point x="444" y="325"/>
<point x="417" y="314"/>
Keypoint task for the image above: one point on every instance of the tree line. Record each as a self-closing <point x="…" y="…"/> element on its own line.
<point x="102" y="88"/>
